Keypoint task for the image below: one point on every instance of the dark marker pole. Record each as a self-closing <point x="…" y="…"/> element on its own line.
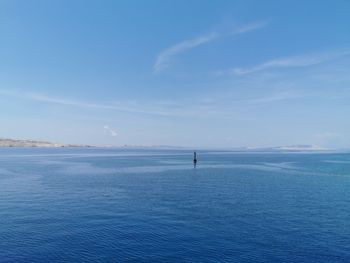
<point x="194" y="159"/>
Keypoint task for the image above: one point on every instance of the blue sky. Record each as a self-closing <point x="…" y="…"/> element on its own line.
<point x="187" y="73"/>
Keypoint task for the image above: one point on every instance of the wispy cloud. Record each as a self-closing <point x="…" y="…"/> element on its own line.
<point x="288" y="62"/>
<point x="50" y="99"/>
<point x="274" y="97"/>
<point x="328" y="138"/>
<point x="110" y="131"/>
<point x="163" y="59"/>
<point x="123" y="107"/>
<point x="326" y="135"/>
<point x="223" y="106"/>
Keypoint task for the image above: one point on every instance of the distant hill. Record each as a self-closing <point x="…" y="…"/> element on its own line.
<point x="33" y="143"/>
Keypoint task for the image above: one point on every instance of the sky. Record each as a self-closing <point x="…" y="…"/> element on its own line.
<point x="192" y="73"/>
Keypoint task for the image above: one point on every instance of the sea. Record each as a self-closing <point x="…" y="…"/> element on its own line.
<point x="153" y="205"/>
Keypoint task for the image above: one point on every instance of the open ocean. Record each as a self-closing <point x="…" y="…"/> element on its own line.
<point x="112" y="205"/>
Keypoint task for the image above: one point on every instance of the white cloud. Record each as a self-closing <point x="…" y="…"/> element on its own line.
<point x="164" y="58"/>
<point x="112" y="132"/>
<point x="288" y="62"/>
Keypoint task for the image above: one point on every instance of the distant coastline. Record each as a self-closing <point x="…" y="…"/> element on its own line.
<point x="35" y="143"/>
<point x="4" y="142"/>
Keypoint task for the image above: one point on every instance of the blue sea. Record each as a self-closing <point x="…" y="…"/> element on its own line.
<point x="115" y="205"/>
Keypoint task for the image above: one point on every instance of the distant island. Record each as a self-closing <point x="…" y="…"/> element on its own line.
<point x="291" y="148"/>
<point x="301" y="148"/>
<point x="34" y="143"/>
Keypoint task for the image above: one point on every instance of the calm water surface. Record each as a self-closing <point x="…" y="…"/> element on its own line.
<point x="110" y="205"/>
